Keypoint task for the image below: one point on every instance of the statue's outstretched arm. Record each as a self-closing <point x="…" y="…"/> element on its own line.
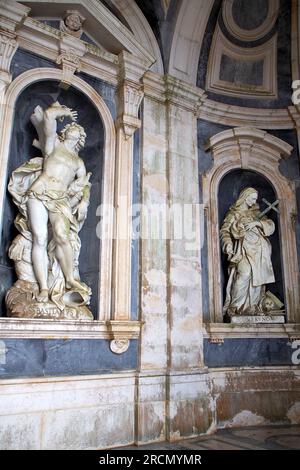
<point x="46" y="125"/>
<point x="54" y="112"/>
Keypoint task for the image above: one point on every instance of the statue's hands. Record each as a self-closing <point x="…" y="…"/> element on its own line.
<point x="70" y="113"/>
<point x="60" y="111"/>
<point x="76" y="187"/>
<point x="251" y="225"/>
<point x="229" y="251"/>
<point x="82" y="211"/>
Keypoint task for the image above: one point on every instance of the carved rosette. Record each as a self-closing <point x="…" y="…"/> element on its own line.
<point x="119" y="346"/>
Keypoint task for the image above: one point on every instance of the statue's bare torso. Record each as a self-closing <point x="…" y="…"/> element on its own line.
<point x="59" y="170"/>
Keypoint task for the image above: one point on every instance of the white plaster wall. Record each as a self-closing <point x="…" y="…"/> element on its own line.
<point x="153" y="249"/>
<point x="67" y="413"/>
<point x="185" y="271"/>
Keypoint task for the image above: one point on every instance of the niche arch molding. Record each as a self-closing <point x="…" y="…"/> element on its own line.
<point x="103" y="327"/>
<point x="251" y="149"/>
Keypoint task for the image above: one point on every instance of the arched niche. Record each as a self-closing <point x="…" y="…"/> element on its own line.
<point x="249" y="149"/>
<point x="102" y="164"/>
<point x="44" y="93"/>
<point x="229" y="189"/>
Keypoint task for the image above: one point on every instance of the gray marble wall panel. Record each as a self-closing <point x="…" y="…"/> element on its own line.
<point x="241" y="71"/>
<point x="42" y="358"/>
<point x="250" y="14"/>
<point x="25" y="60"/>
<point x="258" y="352"/>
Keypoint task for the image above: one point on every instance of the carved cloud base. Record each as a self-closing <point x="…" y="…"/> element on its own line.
<point x="21" y="303"/>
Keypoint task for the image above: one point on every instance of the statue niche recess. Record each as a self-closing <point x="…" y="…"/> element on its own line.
<point x="251" y="255"/>
<point x="245" y="157"/>
<point x="51" y="219"/>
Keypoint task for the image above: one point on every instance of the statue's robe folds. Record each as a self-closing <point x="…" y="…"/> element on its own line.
<point x="20" y="251"/>
<point x="250" y="266"/>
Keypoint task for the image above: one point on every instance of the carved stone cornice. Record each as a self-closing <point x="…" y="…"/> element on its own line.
<point x="234" y="116"/>
<point x="154" y="86"/>
<point x="131" y="67"/>
<point x="12" y="14"/>
<point x="69" y="329"/>
<point x="183" y="95"/>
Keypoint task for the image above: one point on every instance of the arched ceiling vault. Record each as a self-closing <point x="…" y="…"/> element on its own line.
<point x="187" y="39"/>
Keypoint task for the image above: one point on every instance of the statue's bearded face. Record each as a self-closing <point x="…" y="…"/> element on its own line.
<point x="73" y="134"/>
<point x="252" y="199"/>
<point x="73" y="22"/>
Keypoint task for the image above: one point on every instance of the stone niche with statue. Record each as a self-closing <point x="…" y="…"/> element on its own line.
<point x="251" y="238"/>
<point x="55" y="164"/>
<point x="251" y="254"/>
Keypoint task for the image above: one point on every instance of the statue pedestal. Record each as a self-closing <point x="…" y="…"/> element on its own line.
<point x="21" y="302"/>
<point x="253" y="319"/>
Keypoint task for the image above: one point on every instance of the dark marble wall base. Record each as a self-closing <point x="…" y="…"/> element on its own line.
<point x="42" y="358"/>
<point x="258" y="352"/>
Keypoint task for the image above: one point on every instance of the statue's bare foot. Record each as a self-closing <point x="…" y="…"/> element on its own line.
<point x="73" y="284"/>
<point x="43" y="296"/>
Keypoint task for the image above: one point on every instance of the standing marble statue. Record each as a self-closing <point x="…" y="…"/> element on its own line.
<point x="244" y="237"/>
<point x="52" y="195"/>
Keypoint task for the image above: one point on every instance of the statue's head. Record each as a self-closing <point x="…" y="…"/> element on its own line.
<point x="248" y="196"/>
<point x="73" y="21"/>
<point x="74" y="132"/>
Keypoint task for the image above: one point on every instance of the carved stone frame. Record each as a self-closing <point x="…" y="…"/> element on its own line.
<point x="251" y="149"/>
<point x="125" y="71"/>
<point x="13" y="92"/>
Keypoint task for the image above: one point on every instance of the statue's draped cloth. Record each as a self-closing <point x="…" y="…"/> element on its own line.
<point x="250" y="266"/>
<point x="54" y="201"/>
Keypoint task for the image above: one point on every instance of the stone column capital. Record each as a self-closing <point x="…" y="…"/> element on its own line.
<point x="130" y="91"/>
<point x="8" y="47"/>
<point x="130" y="96"/>
<point x="12" y="14"/>
<point x="69" y="58"/>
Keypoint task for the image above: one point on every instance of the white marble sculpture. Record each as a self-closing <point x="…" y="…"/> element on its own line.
<point x="244" y="237"/>
<point x="52" y="195"/>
